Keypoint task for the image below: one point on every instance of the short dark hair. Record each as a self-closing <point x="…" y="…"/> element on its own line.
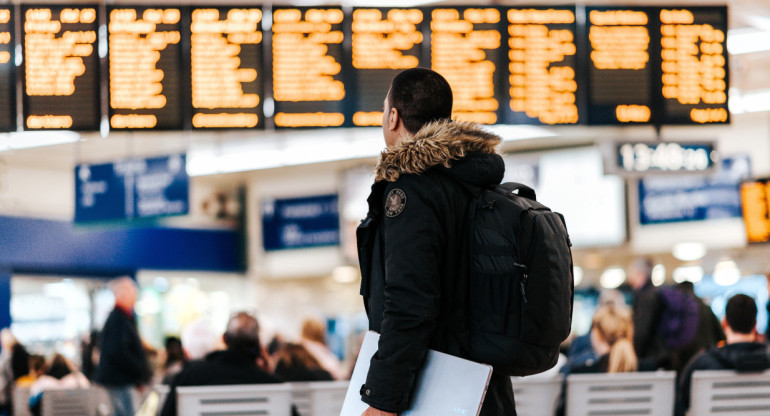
<point x="242" y="333"/>
<point x="741" y="313"/>
<point x="421" y="96"/>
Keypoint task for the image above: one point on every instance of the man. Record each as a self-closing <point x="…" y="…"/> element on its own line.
<point x="648" y="308"/>
<point x="411" y="248"/>
<point x="243" y="362"/>
<point x="122" y="364"/>
<point x="742" y="351"/>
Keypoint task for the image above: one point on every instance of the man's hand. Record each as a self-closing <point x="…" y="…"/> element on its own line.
<point x="374" y="412"/>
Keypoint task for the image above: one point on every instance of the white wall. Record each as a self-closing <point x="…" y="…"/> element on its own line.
<point x="36" y="192"/>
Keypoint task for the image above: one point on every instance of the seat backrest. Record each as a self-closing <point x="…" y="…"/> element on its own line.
<point x="241" y="400"/>
<point x="646" y="393"/>
<point x="21" y="401"/>
<point x="727" y="392"/>
<point x="69" y="402"/>
<point x="300" y="397"/>
<point x="162" y="391"/>
<point x="536" y="396"/>
<point x="327" y="397"/>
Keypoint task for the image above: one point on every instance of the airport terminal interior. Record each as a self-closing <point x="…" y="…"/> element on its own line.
<point x="221" y="154"/>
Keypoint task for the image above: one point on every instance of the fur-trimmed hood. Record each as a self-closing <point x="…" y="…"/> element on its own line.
<point x="439" y="144"/>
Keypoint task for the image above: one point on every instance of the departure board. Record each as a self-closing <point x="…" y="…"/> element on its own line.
<point x="542" y="66"/>
<point x="384" y="43"/>
<point x="620" y="65"/>
<point x="145" y="68"/>
<point x="694" y="65"/>
<point x="466" y="50"/>
<point x="755" y="196"/>
<point x="7" y="71"/>
<point x="308" y="86"/>
<point x="226" y="67"/>
<point x="61" y="67"/>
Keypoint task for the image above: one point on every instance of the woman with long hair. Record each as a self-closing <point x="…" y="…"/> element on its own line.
<point x="612" y="335"/>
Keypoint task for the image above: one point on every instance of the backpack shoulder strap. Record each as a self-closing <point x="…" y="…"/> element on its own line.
<point x="519" y="189"/>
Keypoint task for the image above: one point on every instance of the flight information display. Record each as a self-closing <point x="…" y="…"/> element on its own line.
<point x="61" y="67"/>
<point x="308" y="88"/>
<point x="226" y="67"/>
<point x="217" y="67"/>
<point x="145" y="68"/>
<point x="620" y="69"/>
<point x="384" y="42"/>
<point x="542" y="66"/>
<point x="466" y="50"/>
<point x="7" y="71"/>
<point x="694" y="65"/>
<point x="755" y="196"/>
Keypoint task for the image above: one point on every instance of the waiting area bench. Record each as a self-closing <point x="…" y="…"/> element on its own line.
<point x="725" y="393"/>
<point x="645" y="393"/>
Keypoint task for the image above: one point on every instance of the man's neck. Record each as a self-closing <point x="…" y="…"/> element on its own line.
<point x="738" y="338"/>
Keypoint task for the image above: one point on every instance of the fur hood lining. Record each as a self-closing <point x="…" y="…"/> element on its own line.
<point x="437" y="143"/>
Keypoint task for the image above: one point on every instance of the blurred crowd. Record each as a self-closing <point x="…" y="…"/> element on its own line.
<point x="642" y="328"/>
<point x="118" y="361"/>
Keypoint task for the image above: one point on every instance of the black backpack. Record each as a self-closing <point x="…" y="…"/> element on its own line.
<point x="521" y="286"/>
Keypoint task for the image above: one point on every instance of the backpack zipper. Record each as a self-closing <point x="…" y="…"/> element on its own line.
<point x="523" y="281"/>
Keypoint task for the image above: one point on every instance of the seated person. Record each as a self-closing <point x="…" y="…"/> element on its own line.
<point x="244" y="361"/>
<point x="581" y="350"/>
<point x="612" y="340"/>
<point x="60" y="374"/>
<point x="742" y="351"/>
<point x="37" y="367"/>
<point x="294" y="363"/>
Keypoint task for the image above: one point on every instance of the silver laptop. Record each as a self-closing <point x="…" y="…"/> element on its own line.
<point x="446" y="385"/>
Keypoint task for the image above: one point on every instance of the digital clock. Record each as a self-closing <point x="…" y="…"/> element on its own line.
<point x="643" y="157"/>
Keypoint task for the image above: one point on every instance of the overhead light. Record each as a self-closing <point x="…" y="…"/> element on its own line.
<point x="577" y="273"/>
<point x="30" y="139"/>
<point x="741" y="41"/>
<point x="748" y="102"/>
<point x="345" y="274"/>
<point x="726" y="273"/>
<point x="689" y="251"/>
<point x="312" y="146"/>
<point x="510" y="132"/>
<point x="692" y="274"/>
<point x="658" y="275"/>
<point x="612" y="277"/>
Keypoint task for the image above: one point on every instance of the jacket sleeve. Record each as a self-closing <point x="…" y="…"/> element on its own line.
<point x="413" y="241"/>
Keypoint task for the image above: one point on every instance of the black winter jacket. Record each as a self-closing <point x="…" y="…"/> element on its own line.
<point x="122" y="361"/>
<point x="217" y="368"/>
<point x="745" y="357"/>
<point x="411" y="253"/>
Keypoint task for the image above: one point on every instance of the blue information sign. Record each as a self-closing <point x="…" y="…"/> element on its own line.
<point x="692" y="197"/>
<point x="300" y="222"/>
<point x="131" y="189"/>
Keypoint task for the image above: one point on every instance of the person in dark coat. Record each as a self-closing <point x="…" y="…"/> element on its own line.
<point x="410" y="244"/>
<point x="742" y="351"/>
<point x="243" y="362"/>
<point x="123" y="365"/>
<point x="708" y="334"/>
<point x="648" y="309"/>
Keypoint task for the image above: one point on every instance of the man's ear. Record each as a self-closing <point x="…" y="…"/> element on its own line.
<point x="393" y="119"/>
